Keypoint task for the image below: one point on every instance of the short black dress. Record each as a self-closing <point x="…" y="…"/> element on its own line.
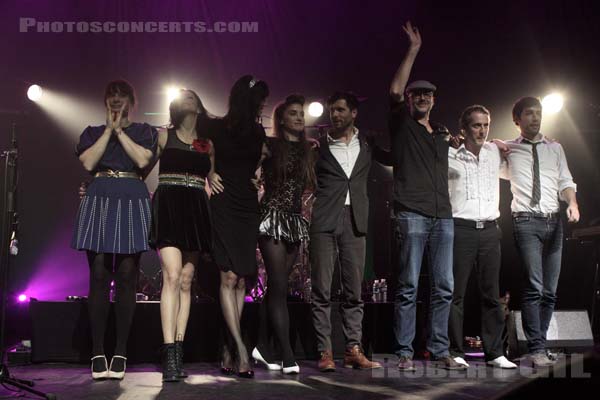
<point x="180" y="209"/>
<point x="235" y="211"/>
<point x="281" y="205"/>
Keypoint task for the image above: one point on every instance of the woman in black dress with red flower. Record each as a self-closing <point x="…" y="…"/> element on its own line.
<point x="181" y="223"/>
<point x="238" y="138"/>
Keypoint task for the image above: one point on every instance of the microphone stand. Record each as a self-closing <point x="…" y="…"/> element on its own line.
<point x="9" y="223"/>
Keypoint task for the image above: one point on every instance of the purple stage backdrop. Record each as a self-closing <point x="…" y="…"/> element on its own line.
<point x="474" y="52"/>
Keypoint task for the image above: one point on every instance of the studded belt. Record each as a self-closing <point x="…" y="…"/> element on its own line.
<point x="187" y="180"/>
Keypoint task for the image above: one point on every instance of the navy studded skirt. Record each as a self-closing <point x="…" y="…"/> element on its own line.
<point x="114" y="217"/>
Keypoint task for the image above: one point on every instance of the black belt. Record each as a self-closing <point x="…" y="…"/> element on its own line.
<point x="535" y="215"/>
<point x="469" y="223"/>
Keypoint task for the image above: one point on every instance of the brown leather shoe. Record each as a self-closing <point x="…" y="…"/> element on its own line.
<point x="326" y="363"/>
<point x="354" y="358"/>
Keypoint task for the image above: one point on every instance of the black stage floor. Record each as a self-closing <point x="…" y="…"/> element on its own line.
<point x="143" y="381"/>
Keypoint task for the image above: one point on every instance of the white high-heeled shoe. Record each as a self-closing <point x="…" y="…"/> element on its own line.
<point x="258" y="357"/>
<point x="294" y="369"/>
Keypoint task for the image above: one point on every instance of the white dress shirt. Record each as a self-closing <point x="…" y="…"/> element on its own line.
<point x="473" y="183"/>
<point x="345" y="154"/>
<point x="554" y="174"/>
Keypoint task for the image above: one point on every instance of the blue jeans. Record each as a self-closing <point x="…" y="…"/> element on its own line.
<point x="539" y="241"/>
<point x="418" y="235"/>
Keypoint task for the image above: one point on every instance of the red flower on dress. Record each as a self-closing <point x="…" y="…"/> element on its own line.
<point x="201" y="145"/>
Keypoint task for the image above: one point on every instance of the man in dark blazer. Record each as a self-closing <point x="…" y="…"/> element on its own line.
<point x="338" y="229"/>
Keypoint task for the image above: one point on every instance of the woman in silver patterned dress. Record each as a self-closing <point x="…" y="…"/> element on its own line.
<point x="288" y="172"/>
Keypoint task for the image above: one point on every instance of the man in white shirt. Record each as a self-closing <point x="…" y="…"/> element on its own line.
<point x="473" y="183"/>
<point x="539" y="176"/>
<point x="338" y="231"/>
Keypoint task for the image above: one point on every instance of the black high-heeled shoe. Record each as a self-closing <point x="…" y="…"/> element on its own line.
<point x="246" y="374"/>
<point x="226" y="370"/>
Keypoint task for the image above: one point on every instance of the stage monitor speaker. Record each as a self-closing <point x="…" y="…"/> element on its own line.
<point x="568" y="330"/>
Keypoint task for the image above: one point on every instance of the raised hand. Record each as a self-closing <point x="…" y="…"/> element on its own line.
<point x="113" y="119"/>
<point x="413" y="34"/>
<point x="109" y="116"/>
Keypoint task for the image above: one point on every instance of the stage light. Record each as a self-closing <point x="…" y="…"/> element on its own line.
<point x="172" y="93"/>
<point x="315" y="109"/>
<point x="34" y="93"/>
<point x="22" y="298"/>
<point x="552" y="103"/>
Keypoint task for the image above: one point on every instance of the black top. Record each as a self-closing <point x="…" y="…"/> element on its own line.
<point x="420" y="163"/>
<point x="284" y="195"/>
<point x="179" y="157"/>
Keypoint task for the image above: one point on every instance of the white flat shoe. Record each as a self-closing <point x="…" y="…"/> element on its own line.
<point x="294" y="369"/>
<point x="258" y="357"/>
<point x="461" y="361"/>
<point x="100" y="374"/>
<point x="502" y="362"/>
<point x="117" y="374"/>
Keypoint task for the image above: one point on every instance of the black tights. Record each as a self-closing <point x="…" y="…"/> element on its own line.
<point x="125" y="275"/>
<point x="279" y="257"/>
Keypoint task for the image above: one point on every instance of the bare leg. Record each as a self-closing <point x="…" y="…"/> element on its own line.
<point x="172" y="267"/>
<point x="190" y="260"/>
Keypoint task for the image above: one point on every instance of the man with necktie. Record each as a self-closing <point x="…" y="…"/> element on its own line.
<point x="539" y="176"/>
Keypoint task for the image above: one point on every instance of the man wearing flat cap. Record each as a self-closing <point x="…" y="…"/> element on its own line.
<point x="423" y="214"/>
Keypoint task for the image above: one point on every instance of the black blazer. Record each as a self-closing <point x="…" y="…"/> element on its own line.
<point x="333" y="184"/>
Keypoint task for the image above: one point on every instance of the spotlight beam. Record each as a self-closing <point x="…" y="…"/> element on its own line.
<point x="552" y="103"/>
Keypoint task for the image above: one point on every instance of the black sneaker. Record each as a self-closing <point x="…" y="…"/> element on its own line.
<point x="99" y="367"/>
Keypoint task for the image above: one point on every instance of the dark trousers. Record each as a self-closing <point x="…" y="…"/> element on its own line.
<point x="350" y="246"/>
<point x="479" y="248"/>
<point x="539" y="241"/>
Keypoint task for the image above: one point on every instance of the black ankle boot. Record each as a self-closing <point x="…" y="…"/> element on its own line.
<point x="181" y="373"/>
<point x="170" y="363"/>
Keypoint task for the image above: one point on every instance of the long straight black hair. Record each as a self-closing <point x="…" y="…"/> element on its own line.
<point x="245" y="99"/>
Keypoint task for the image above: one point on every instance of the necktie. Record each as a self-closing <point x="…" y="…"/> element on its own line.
<point x="536" y="193"/>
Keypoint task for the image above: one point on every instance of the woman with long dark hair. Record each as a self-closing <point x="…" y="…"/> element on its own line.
<point x="287" y="171"/>
<point x="181" y="226"/>
<point x="113" y="219"/>
<point x="238" y="139"/>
